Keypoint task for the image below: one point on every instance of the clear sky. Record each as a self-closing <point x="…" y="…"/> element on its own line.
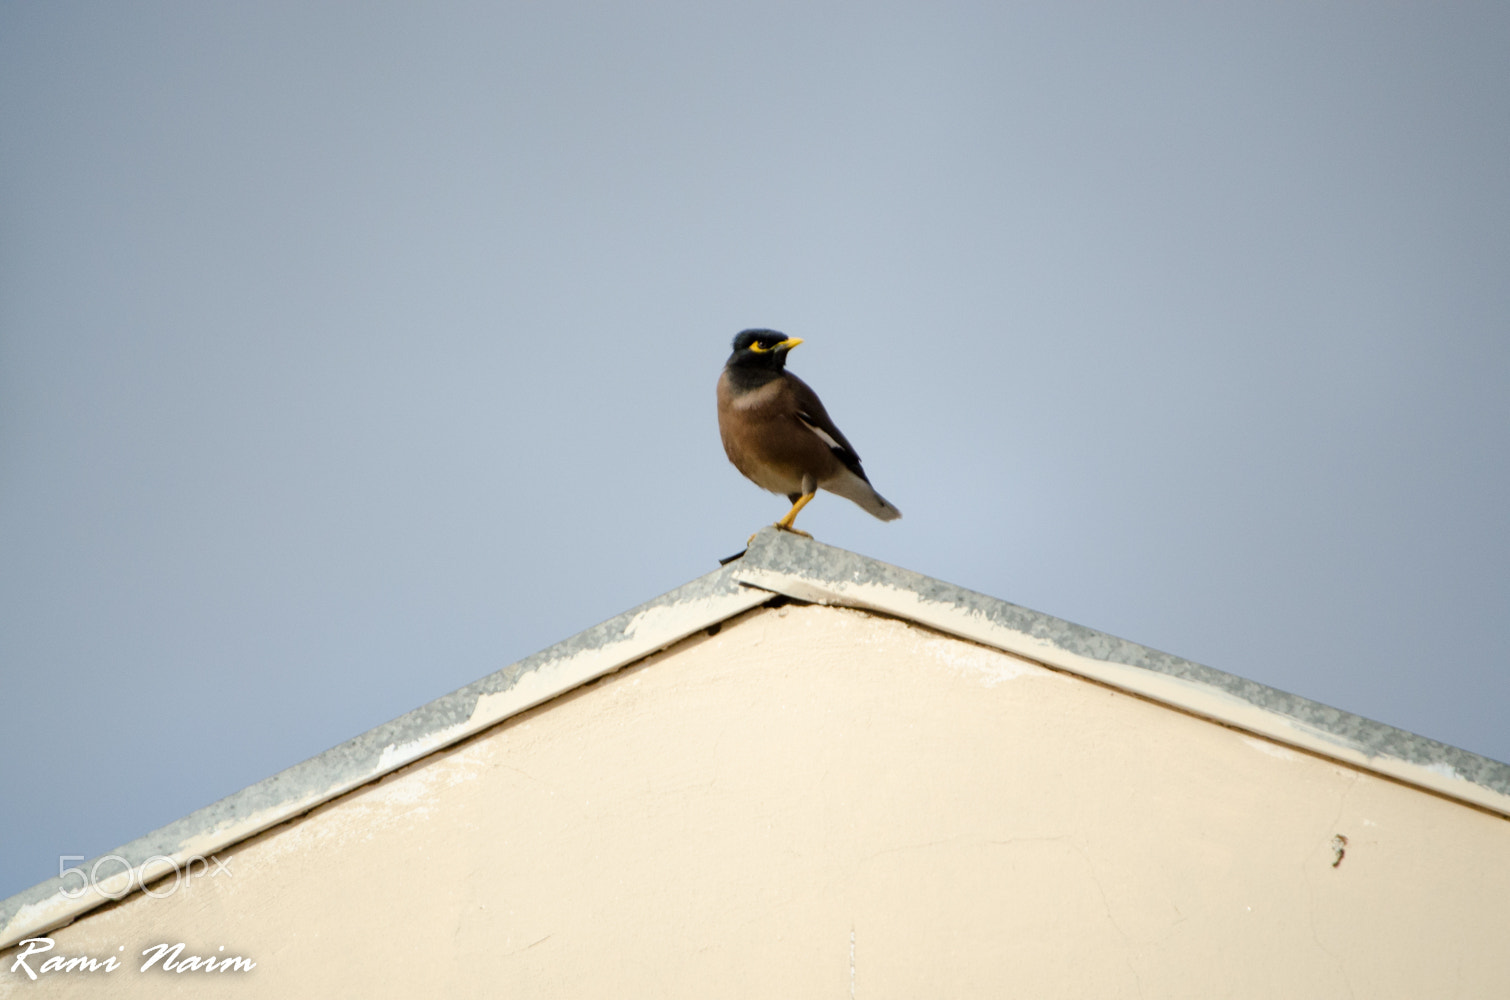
<point x="349" y="352"/>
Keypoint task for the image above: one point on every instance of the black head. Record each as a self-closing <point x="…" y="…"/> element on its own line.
<point x="761" y="349"/>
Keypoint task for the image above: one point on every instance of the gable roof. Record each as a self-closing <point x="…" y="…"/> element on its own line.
<point x="780" y="564"/>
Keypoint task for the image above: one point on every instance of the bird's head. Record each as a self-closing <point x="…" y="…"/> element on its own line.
<point x="761" y="349"/>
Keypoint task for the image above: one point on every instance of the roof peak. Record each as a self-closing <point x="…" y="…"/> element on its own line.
<point x="784" y="564"/>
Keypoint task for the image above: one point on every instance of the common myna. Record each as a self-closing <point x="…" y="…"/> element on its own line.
<point x="778" y="434"/>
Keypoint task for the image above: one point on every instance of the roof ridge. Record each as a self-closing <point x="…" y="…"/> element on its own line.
<point x="786" y="564"/>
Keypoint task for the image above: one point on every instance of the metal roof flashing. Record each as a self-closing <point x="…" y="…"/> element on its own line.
<point x="799" y="568"/>
<point x="822" y="574"/>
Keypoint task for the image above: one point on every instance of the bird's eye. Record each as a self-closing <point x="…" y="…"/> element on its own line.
<point x="759" y="348"/>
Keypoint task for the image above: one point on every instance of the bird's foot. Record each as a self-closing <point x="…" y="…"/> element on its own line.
<point x="779" y="527"/>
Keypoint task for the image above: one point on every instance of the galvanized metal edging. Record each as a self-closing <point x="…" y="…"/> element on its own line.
<point x="519" y="687"/>
<point x="810" y="571"/>
<point x="776" y="563"/>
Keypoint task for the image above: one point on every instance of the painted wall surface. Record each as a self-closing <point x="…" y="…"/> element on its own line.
<point x="821" y="802"/>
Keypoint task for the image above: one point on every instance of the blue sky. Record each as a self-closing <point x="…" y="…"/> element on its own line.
<point x="351" y="352"/>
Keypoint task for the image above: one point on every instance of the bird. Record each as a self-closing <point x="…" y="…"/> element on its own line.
<point x="777" y="433"/>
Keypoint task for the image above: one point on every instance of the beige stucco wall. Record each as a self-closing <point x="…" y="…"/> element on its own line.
<point x="820" y="802"/>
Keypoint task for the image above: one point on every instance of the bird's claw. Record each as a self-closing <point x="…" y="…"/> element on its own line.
<point x="779" y="527"/>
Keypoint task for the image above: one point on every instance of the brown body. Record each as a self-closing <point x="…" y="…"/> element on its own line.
<point x="768" y="442"/>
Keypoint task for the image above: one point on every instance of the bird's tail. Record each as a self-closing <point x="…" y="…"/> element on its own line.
<point x="853" y="487"/>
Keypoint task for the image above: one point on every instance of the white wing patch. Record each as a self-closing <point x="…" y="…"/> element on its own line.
<point x="824" y="435"/>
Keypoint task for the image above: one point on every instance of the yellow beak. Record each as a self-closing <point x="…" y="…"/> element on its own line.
<point x="788" y="344"/>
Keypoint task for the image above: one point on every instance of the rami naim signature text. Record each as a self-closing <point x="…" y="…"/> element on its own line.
<point x="164" y="957"/>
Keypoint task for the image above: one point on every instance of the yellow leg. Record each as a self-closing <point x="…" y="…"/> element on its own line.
<point x="785" y="524"/>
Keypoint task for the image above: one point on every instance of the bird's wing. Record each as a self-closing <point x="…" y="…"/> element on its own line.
<point x="812" y="414"/>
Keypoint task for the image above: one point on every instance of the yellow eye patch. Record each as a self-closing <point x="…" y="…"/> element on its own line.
<point x="758" y="348"/>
